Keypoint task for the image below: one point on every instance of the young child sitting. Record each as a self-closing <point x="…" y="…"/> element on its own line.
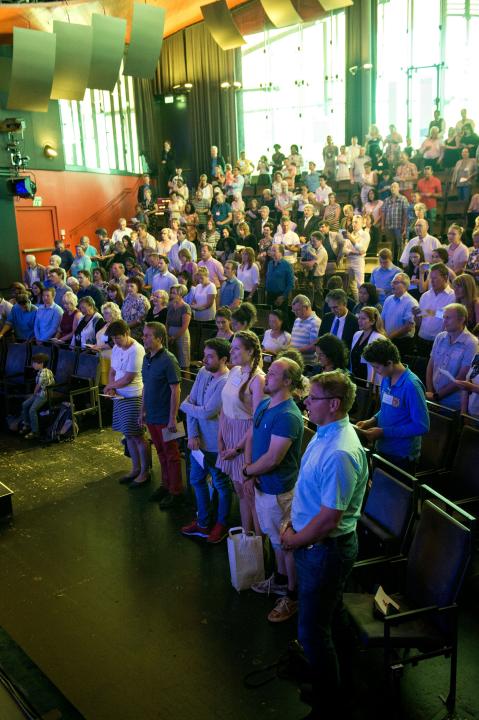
<point x="33" y="403"/>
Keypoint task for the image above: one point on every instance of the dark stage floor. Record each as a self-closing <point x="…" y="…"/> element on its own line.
<point x="131" y="621"/>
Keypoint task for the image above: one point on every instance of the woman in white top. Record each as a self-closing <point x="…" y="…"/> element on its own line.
<point x="205" y="188"/>
<point x="248" y="273"/>
<point x="342" y="172"/>
<point x="370" y="328"/>
<point x="125" y="386"/>
<point x="240" y="397"/>
<point x="470" y="388"/>
<point x="110" y="312"/>
<point x="355" y="246"/>
<point x="203" y="296"/>
<point x="275" y="339"/>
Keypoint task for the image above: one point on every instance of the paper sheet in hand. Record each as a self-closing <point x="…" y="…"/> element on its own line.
<point x="445" y="372"/>
<point x="384" y="603"/>
<point x="180" y="432"/>
<point x="199" y="457"/>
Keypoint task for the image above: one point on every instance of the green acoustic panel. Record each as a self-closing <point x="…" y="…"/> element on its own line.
<point x="145" y="41"/>
<point x="5" y="73"/>
<point x="33" y="65"/>
<point x="72" y="61"/>
<point x="282" y="13"/>
<point x="107" y="52"/>
<point x="335" y="4"/>
<point x="220" y="23"/>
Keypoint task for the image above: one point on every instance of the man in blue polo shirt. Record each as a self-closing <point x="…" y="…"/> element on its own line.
<point x="161" y="400"/>
<point x="221" y="211"/>
<point x="279" y="278"/>
<point x="402" y="417"/>
<point x="21" y="319"/>
<point x="274" y="446"/>
<point x="322" y="533"/>
<point x="232" y="290"/>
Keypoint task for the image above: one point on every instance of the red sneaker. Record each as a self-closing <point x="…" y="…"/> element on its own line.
<point x="194" y="530"/>
<point x="217" y="534"/>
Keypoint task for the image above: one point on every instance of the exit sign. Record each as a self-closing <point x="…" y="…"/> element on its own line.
<point x="37" y="201"/>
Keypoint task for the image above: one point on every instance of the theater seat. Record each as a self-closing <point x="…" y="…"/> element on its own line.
<point x="426" y="585"/>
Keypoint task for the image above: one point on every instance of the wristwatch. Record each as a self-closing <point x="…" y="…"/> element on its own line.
<point x="245" y="474"/>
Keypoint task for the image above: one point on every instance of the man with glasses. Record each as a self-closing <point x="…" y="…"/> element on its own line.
<point x="274" y="446"/>
<point x="398" y="314"/>
<point x="427" y="242"/>
<point x="322" y="531"/>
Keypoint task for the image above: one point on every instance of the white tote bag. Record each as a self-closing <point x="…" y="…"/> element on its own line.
<point x="245" y="553"/>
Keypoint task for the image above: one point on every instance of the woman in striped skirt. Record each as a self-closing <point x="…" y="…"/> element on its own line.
<point x="125" y="386"/>
<point x="178" y="320"/>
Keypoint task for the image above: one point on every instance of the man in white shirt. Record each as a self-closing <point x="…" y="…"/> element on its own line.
<point x="163" y="279"/>
<point x="305" y="329"/>
<point x="145" y="240"/>
<point x="181" y="244"/>
<point x="323" y="192"/>
<point x="424" y="240"/>
<point x="121" y="231"/>
<point x="314" y="260"/>
<point x="430" y="314"/>
<point x="289" y="239"/>
<point x="355" y="247"/>
<point x="352" y="151"/>
<point x="357" y="166"/>
<point x="398" y="314"/>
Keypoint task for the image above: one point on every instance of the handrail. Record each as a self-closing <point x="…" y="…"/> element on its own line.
<point x="114" y="201"/>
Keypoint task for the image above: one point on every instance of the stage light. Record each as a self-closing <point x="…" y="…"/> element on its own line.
<point x="22" y="187"/>
<point x="225" y="85"/>
<point x="367" y="66"/>
<point x="237" y="84"/>
<point x="188" y="86"/>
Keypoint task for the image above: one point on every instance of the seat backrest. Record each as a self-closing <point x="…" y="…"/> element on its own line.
<point x="45" y="350"/>
<point x="17" y="358"/>
<point x="307" y="437"/>
<point x="437" y="560"/>
<point x="185" y="388"/>
<point x="262" y="312"/>
<point x="389" y="503"/>
<point x="88" y="367"/>
<point x="195" y="337"/>
<point x="437" y="444"/>
<point x="465" y="466"/>
<point x="363" y="404"/>
<point x="66" y="361"/>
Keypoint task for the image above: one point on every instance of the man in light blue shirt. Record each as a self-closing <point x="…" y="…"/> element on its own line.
<point x="382" y="276"/>
<point x="398" y="314"/>
<point x="21" y="319"/>
<point x="48" y="316"/>
<point x="90" y="251"/>
<point x="181" y="244"/>
<point x="232" y="290"/>
<point x="163" y="279"/>
<point x="451" y="358"/>
<point x="322" y="532"/>
<point x="403" y="416"/>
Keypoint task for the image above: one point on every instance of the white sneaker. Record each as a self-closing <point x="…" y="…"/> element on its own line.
<point x="270" y="587"/>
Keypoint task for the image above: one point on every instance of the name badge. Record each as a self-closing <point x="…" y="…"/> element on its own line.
<point x="236" y="381"/>
<point x="390" y="400"/>
<point x="440" y="314"/>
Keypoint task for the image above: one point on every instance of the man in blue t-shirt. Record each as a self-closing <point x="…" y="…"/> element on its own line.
<point x="274" y="446"/>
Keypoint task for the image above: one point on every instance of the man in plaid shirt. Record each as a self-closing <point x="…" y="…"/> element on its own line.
<point x="394" y="219"/>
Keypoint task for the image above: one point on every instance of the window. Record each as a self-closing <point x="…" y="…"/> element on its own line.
<point x="99" y="133"/>
<point x="293" y="88"/>
<point x="425" y="53"/>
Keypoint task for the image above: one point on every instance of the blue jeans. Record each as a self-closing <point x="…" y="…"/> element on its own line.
<point x="221" y="484"/>
<point x="463" y="192"/>
<point x="30" y="408"/>
<point x="322" y="620"/>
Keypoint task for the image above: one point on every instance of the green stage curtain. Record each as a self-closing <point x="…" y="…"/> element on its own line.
<point x="149" y="133"/>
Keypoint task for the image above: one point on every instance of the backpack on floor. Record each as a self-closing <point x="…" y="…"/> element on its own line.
<point x="62" y="426"/>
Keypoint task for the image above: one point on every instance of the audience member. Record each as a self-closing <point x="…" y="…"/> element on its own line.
<point x="244" y="317"/>
<point x="163" y="279"/>
<point x="418" y="271"/>
<point x="279" y="278"/>
<point x="232" y="291"/>
<point x="370" y="329"/>
<point x="87" y="289"/>
<point x="331" y="354"/>
<point x="382" y="276"/>
<point x="272" y="460"/>
<point x="431" y="190"/>
<point x="402" y="418"/>
<point x="305" y="329"/>
<point x="451" y="356"/>
<point x="470" y="389"/>
<point x="33" y="403"/>
<point x="202" y="408"/>
<point x="158" y="307"/>
<point x="65" y="255"/>
<point x="84" y="333"/>
<point x="223" y="324"/>
<point x="275" y="338"/>
<point x="135" y="307"/>
<point x="456" y="250"/>
<point x="398" y="314"/>
<point x="429" y="314"/>
<point x="178" y="319"/>
<point x="213" y="266"/>
<point x="322" y="530"/>
<point x="47" y="317"/>
<point x="466" y="293"/>
<point x="70" y="318"/>
<point x="80" y="262"/>
<point x="394" y="219"/>
<point x="160" y="404"/>
<point x="368" y="297"/>
<point x="241" y="396"/>
<point x="340" y="321"/>
<point x="465" y="170"/>
<point x="203" y="296"/>
<point x="33" y="271"/>
<point x="21" y="319"/>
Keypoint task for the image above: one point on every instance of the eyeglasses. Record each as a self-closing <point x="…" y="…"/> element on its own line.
<point x="332" y="397"/>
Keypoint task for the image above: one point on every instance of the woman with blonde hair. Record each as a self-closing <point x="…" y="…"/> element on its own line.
<point x="111" y="312"/>
<point x="241" y="395"/>
<point x="370" y="328"/>
<point x="70" y="318"/>
<point x="465" y="290"/>
<point x="456" y="250"/>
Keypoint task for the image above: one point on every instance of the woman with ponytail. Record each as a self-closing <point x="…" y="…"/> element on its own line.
<point x="240" y="397"/>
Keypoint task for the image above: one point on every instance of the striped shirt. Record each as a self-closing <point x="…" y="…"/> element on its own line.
<point x="304" y="333"/>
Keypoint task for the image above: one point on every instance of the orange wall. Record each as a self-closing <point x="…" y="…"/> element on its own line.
<point x="79" y="203"/>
